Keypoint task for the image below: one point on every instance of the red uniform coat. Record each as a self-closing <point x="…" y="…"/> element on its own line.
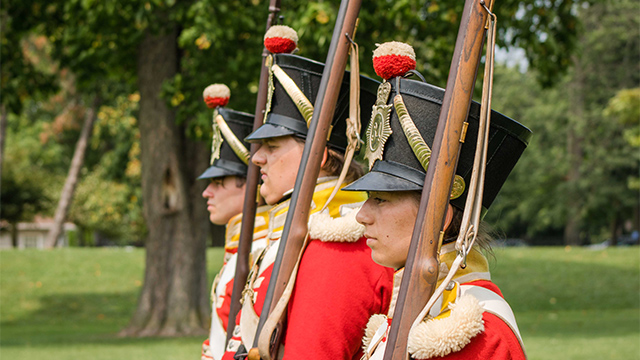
<point x="463" y="328"/>
<point x="337" y="289"/>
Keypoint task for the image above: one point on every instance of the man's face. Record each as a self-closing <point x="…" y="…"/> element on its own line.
<point x="278" y="159"/>
<point x="388" y="218"/>
<point x="224" y="199"/>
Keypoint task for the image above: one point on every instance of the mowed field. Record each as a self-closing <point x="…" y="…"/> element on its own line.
<point x="68" y="304"/>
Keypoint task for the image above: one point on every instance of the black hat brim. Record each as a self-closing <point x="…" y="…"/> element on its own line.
<point x="388" y="176"/>
<point x="222" y="168"/>
<point x="268" y="131"/>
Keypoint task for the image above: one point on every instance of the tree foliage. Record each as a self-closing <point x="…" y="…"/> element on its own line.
<point x="109" y="46"/>
<point x="21" y="79"/>
<point x="108" y="198"/>
<point x="222" y="40"/>
<point x="594" y="109"/>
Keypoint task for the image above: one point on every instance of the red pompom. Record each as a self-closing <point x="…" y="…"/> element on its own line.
<point x="280" y="39"/>
<point x="393" y="59"/>
<point x="389" y="66"/>
<point x="216" y="95"/>
<point x="213" y="102"/>
<point x="278" y="45"/>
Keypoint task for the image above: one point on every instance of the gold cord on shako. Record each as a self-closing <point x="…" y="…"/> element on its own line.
<point x="393" y="60"/>
<point x="281" y="39"/>
<point x="215" y="96"/>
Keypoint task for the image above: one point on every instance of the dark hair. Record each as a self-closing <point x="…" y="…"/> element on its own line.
<point x="240" y="180"/>
<point x="485" y="232"/>
<point x="335" y="162"/>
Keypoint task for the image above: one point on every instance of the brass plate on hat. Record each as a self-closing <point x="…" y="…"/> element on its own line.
<point x="458" y="187"/>
<point x="379" y="129"/>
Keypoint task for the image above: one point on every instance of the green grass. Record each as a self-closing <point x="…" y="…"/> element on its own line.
<point x="573" y="303"/>
<point x="70" y="303"/>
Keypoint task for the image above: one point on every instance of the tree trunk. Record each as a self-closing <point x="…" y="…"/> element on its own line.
<point x="14" y="234"/>
<point x="615" y="229"/>
<point x="66" y="197"/>
<point x="575" y="153"/>
<point x="572" y="226"/>
<point x="174" y="300"/>
<point x="3" y="134"/>
<point x="616" y="223"/>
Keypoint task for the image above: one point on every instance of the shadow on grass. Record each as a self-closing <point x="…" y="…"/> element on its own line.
<point x="69" y="319"/>
<point x="554" y="294"/>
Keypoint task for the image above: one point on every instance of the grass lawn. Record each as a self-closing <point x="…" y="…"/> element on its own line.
<point x="573" y="303"/>
<point x="70" y="303"/>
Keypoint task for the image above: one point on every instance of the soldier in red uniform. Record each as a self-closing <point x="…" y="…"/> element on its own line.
<point x="470" y="319"/>
<point x="225" y="197"/>
<point x="338" y="287"/>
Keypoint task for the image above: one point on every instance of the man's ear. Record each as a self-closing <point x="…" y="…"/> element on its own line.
<point x="325" y="156"/>
<point x="448" y="218"/>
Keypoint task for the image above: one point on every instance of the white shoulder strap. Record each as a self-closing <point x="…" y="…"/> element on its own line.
<point x="217" y="337"/>
<point x="496" y="305"/>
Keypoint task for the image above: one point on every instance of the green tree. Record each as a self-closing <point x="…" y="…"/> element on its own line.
<point x="577" y="172"/>
<point x="108" y="198"/>
<point x="20" y="79"/>
<point x="608" y="60"/>
<point x="22" y="196"/>
<point x="66" y="196"/>
<point x="170" y="51"/>
<point x="533" y="200"/>
<point x="624" y="109"/>
<point x="28" y="184"/>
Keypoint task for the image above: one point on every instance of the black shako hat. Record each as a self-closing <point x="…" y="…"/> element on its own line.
<point x="229" y="162"/>
<point x="283" y="117"/>
<point x="400" y="170"/>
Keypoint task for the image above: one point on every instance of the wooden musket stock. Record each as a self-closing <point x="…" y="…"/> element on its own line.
<point x="295" y="228"/>
<point x="251" y="190"/>
<point x="421" y="269"/>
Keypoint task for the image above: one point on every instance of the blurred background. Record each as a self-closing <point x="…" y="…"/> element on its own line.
<point x="103" y="132"/>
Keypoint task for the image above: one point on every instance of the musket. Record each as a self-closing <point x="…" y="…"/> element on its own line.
<point x="421" y="269"/>
<point x="251" y="190"/>
<point x="295" y="228"/>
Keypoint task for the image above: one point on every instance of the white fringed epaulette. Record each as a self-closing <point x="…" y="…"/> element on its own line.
<point x="375" y="321"/>
<point x="440" y="337"/>
<point x="323" y="227"/>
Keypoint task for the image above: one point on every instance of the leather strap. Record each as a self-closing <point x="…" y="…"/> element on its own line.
<point x="353" y="121"/>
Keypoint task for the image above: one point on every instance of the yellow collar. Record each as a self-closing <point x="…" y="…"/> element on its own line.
<point x="477" y="265"/>
<point x="232" y="232"/>
<point x="477" y="269"/>
<point x="343" y="203"/>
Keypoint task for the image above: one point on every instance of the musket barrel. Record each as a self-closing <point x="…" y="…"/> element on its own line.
<point x="313" y="151"/>
<point x="295" y="229"/>
<point x="421" y="269"/>
<point x="251" y="190"/>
